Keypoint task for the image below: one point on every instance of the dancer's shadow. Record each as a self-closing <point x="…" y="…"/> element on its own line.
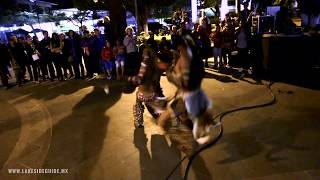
<point x="200" y="169"/>
<point x="78" y="139"/>
<point x="158" y="163"/>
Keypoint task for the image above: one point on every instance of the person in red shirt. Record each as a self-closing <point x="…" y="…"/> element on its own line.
<point x="106" y="59"/>
<point x="217" y="41"/>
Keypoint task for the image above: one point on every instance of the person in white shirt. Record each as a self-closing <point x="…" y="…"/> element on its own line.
<point x="130" y="42"/>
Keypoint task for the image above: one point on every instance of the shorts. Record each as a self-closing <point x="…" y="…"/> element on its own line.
<point x="196" y="103"/>
<point x="120" y="60"/>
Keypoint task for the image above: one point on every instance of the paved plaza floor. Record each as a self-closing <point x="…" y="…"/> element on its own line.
<point x="87" y="128"/>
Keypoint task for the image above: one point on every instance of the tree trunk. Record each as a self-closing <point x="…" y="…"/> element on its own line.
<point x="238" y="4"/>
<point x="118" y="21"/>
<point x="143" y="20"/>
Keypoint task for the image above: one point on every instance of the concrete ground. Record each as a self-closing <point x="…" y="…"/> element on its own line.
<point x="87" y="128"/>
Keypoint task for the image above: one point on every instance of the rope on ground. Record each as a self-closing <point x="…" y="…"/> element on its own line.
<point x="214" y="141"/>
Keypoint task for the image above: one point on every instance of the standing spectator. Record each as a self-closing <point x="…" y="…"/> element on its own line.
<point x="41" y="65"/>
<point x="76" y="54"/>
<point x="204" y="41"/>
<point x="245" y="14"/>
<point x="217" y="41"/>
<point x="176" y="18"/>
<point x="228" y="22"/>
<point x="106" y="59"/>
<point x="57" y="55"/>
<point x="130" y="42"/>
<point x="119" y="52"/>
<point x="228" y="43"/>
<point x="4" y="62"/>
<point x="36" y="63"/>
<point x="29" y="61"/>
<point x="152" y="43"/>
<point x="164" y="44"/>
<point x="97" y="43"/>
<point x="204" y="21"/>
<point x="174" y="36"/>
<point x="25" y="62"/>
<point x="85" y="44"/>
<point x="17" y="55"/>
<point x="66" y="53"/>
<point x="242" y="46"/>
<point x="284" y="23"/>
<point x="188" y="25"/>
<point x="46" y="56"/>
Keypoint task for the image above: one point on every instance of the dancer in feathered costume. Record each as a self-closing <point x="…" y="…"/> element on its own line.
<point x="190" y="102"/>
<point x="149" y="92"/>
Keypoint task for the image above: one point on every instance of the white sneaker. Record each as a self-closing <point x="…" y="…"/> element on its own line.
<point x="211" y="131"/>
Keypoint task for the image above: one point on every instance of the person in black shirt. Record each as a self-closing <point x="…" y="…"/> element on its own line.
<point x="4" y="62"/>
<point x="56" y="52"/>
<point x="65" y="50"/>
<point x="46" y="56"/>
<point x="76" y="53"/>
<point x="164" y="44"/>
<point x="17" y="54"/>
<point x="152" y="43"/>
<point x="85" y="45"/>
<point x="29" y="61"/>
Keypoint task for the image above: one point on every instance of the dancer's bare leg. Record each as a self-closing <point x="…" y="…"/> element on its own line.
<point x="165" y="118"/>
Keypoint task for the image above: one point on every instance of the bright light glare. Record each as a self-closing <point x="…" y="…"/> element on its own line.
<point x="224" y="9"/>
<point x="194" y="10"/>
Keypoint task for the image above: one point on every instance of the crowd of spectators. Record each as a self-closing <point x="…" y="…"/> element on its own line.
<point x="91" y="54"/>
<point x="68" y="56"/>
<point x="219" y="39"/>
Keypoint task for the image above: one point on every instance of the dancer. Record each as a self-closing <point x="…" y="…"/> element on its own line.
<point x="190" y="102"/>
<point x="149" y="91"/>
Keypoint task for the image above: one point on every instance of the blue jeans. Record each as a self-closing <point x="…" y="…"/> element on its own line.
<point x="106" y="66"/>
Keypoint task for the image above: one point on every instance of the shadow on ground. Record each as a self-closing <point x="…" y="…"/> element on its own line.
<point x="221" y="78"/>
<point x="307" y="78"/>
<point x="232" y="75"/>
<point x="275" y="137"/>
<point x="160" y="161"/>
<point x="78" y="139"/>
<point x="10" y="123"/>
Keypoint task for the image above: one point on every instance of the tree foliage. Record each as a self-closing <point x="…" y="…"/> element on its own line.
<point x="212" y="3"/>
<point x="118" y="8"/>
<point x="80" y="17"/>
<point x="10" y="14"/>
<point x="19" y="18"/>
